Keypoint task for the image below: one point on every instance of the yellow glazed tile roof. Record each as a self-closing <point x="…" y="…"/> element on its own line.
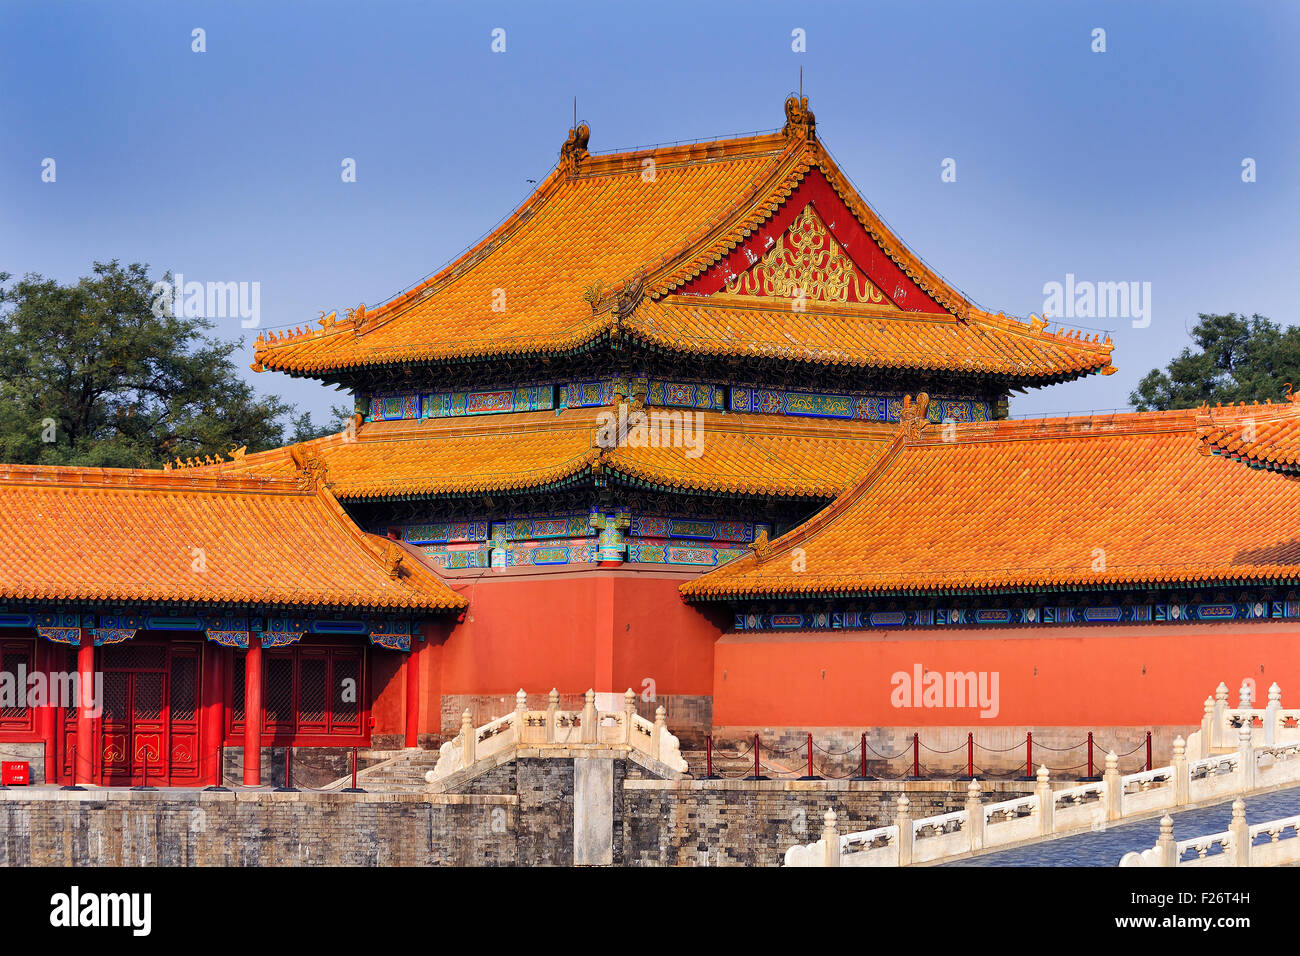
<point x="863" y="336"/>
<point x="1263" y="436"/>
<point x="119" y="535"/>
<point x="1129" y="499"/>
<point x="601" y="251"/>
<point x="738" y="454"/>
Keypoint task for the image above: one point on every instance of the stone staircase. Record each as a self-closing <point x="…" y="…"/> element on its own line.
<point x="402" y="772"/>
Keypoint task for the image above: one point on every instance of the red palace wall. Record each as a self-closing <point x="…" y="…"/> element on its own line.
<point x="1066" y="676"/>
<point x="605" y="629"/>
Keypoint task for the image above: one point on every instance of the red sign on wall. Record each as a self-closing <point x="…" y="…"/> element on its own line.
<point x="13" y="773"/>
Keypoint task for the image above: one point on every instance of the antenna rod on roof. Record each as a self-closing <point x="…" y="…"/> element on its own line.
<point x="575" y="111"/>
<point x="801" y="83"/>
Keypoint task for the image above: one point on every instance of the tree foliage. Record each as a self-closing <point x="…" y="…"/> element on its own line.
<point x="1236" y="359"/>
<point x="90" y="375"/>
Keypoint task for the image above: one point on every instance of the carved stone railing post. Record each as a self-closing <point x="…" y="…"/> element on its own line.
<point x="1182" y="777"/>
<point x="468" y="738"/>
<point x="660" y="720"/>
<point x="1046" y="805"/>
<point x="1244" y="696"/>
<point x="521" y="711"/>
<point x="629" y="716"/>
<point x="1114" y="787"/>
<point x="1166" y="848"/>
<point x="552" y="708"/>
<point x="830" y="839"/>
<point x="1245" y="756"/>
<point x="1220" y="705"/>
<point x="974" y="815"/>
<point x="590" y="722"/>
<point x="904" y="820"/>
<point x="1240" y="831"/>
<point x="1207" y="730"/>
<point x="1273" y="716"/>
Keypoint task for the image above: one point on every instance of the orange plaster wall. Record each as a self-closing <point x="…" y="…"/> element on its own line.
<point x="1100" y="676"/>
<point x="661" y="638"/>
<point x="387" y="691"/>
<point x="604" y="629"/>
<point x="534" y="632"/>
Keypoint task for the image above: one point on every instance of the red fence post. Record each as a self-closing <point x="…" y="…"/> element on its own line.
<point x="708" y="752"/>
<point x="916" y="755"/>
<point x="757" y="772"/>
<point x="354" y="768"/>
<point x="1090" y="773"/>
<point x="970" y="756"/>
<point x="1148" y="750"/>
<point x="862" y="761"/>
<point x="810" y="770"/>
<point x="1029" y="754"/>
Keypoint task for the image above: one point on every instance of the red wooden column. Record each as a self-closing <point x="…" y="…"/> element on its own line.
<point x="253" y="712"/>
<point x="45" y="661"/>
<point x="83" y="770"/>
<point x="414" y="661"/>
<point x="212" y="725"/>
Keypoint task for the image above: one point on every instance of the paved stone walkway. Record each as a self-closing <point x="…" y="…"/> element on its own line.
<point x="1104" y="848"/>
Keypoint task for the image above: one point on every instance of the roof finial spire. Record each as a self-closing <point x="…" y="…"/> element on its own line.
<point x="799" y="119"/>
<point x="574" y="149"/>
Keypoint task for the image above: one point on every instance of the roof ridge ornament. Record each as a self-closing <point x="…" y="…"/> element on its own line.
<point x="913" y="418"/>
<point x="799" y="119"/>
<point x="574" y="150"/>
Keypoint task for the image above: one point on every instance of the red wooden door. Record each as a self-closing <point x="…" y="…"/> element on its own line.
<point x="149" y="727"/>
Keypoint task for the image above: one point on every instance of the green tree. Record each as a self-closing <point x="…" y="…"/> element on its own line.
<point x="90" y="375"/>
<point x="1236" y="359"/>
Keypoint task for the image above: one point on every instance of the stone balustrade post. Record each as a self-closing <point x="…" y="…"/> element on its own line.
<point x="1240" y="831"/>
<point x="1114" y="787"/>
<point x="590" y="721"/>
<point x="657" y="738"/>
<point x="1220" y="716"/>
<point x="1246" y="757"/>
<point x="1166" y="848"/>
<point x="1273" y="716"/>
<point x="1207" y="730"/>
<point x="1046" y="803"/>
<point x="975" y="815"/>
<point x="830" y="840"/>
<point x="468" y="738"/>
<point x="521" y="710"/>
<point x="1244" y="696"/>
<point x="904" y="820"/>
<point x="1182" y="777"/>
<point x="629" y="715"/>
<point x="552" y="709"/>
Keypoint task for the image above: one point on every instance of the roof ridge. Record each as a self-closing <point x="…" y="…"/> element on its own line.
<point x="142" y="479"/>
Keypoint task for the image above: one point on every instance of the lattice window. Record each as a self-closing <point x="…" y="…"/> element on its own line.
<point x="148" y="695"/>
<point x="347" y="689"/>
<point x="183" y="691"/>
<point x="279" y="689"/>
<point x="311" y="690"/>
<point x="116" y="687"/>
<point x="237" y="689"/>
<point x="133" y="656"/>
<point x="70" y="667"/>
<point x="16" y="661"/>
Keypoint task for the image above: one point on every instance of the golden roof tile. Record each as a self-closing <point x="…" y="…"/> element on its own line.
<point x="123" y="535"/>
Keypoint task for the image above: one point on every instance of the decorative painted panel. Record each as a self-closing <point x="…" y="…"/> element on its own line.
<point x="1100" y="613"/>
<point x="851" y="405"/>
<point x="687" y="395"/>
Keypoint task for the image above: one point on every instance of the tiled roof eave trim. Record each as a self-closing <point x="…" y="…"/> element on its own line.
<point x="699" y="595"/>
<point x="450" y="607"/>
<point x="1007" y="379"/>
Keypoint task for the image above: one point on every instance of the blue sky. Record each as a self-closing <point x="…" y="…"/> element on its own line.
<point x="225" y="165"/>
